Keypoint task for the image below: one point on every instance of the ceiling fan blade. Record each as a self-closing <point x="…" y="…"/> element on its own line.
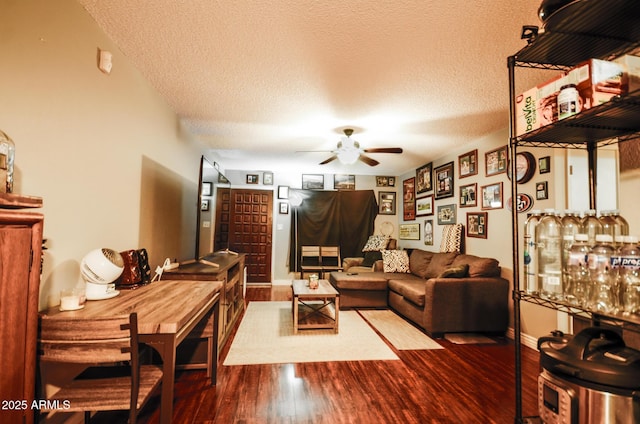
<point x="330" y="159"/>
<point x="384" y="150"/>
<point x="369" y="161"/>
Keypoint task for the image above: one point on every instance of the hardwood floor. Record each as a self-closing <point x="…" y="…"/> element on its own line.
<point x="458" y="384"/>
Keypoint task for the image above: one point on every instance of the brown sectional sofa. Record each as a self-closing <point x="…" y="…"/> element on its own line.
<point x="443" y="293"/>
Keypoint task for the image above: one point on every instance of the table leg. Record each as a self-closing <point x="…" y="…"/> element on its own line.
<point x="213" y="346"/>
<point x="165" y="345"/>
<point x="295" y="314"/>
<point x="337" y="306"/>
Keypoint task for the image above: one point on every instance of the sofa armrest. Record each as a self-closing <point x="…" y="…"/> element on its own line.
<point x="349" y="262"/>
<point x="478" y="304"/>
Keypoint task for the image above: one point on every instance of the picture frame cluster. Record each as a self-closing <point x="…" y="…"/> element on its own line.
<point x="432" y="183"/>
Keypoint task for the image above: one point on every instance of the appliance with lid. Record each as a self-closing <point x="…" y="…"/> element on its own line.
<point x="590" y="377"/>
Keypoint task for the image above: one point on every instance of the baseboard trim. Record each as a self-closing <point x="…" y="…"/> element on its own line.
<point x="526" y="339"/>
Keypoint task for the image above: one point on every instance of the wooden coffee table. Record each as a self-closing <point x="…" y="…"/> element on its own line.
<point x="315" y="308"/>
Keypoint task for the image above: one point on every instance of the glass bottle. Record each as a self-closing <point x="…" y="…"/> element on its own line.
<point x="603" y="297"/>
<point x="577" y="286"/>
<point x="567" y="242"/>
<point x="623" y="225"/>
<point x="608" y="223"/>
<point x="549" y="246"/>
<point x="570" y="223"/>
<point x="629" y="275"/>
<point x="7" y="155"/>
<point x="530" y="253"/>
<point x="591" y="226"/>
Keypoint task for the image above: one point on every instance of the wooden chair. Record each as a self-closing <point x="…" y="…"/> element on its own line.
<point x="310" y="260"/>
<point x="330" y="256"/>
<point x="109" y="346"/>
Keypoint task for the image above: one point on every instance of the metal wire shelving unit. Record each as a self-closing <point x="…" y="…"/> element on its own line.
<point x="582" y="30"/>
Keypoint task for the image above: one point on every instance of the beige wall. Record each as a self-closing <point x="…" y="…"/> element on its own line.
<point x="103" y="151"/>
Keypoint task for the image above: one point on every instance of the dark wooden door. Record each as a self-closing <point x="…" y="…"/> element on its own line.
<point x="246" y="222"/>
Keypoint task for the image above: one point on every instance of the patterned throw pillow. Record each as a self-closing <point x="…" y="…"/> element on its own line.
<point x="451" y="238"/>
<point x="395" y="261"/>
<point x="376" y="243"/>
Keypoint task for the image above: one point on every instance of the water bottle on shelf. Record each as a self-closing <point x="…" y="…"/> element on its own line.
<point x="591" y="226"/>
<point x="623" y="225"/>
<point x="567" y="242"/>
<point x="530" y="253"/>
<point x="570" y="223"/>
<point x="603" y="281"/>
<point x="549" y="245"/>
<point x="578" y="279"/>
<point x="629" y="275"/>
<point x="608" y="223"/>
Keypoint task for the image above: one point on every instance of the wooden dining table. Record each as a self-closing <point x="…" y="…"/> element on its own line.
<point x="168" y="312"/>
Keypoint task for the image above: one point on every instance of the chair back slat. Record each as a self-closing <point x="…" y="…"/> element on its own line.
<point x="330" y="255"/>
<point x="85" y="341"/>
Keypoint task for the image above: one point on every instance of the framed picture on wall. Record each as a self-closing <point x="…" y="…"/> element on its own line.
<point x="443" y="176"/>
<point x="542" y="191"/>
<point x="252" y="178"/>
<point x="447" y="214"/>
<point x="387" y="202"/>
<point x="428" y="232"/>
<point x="283" y="192"/>
<point x="424" y="205"/>
<point x="312" y="181"/>
<point x="385" y="181"/>
<point x="267" y="178"/>
<point x="409" y="199"/>
<point x="206" y="189"/>
<point x="468" y="195"/>
<point x="344" y="182"/>
<point x="409" y="232"/>
<point x="284" y="208"/>
<point x="423" y="178"/>
<point x="204" y="204"/>
<point x="544" y="164"/>
<point x="468" y="164"/>
<point x="495" y="161"/>
<point x="492" y="196"/>
<point x="477" y="224"/>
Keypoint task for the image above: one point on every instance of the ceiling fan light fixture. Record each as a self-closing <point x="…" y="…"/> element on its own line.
<point x="348" y="156"/>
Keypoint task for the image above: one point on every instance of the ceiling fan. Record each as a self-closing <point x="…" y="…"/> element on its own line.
<point x="348" y="151"/>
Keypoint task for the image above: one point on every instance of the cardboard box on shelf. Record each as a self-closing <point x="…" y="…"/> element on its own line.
<point x="597" y="82"/>
<point x="631" y="68"/>
<point x="538" y="106"/>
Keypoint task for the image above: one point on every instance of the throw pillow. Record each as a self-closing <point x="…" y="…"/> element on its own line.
<point x="395" y="261"/>
<point x="376" y="243"/>
<point x="460" y="271"/>
<point x="371" y="257"/>
<point x="451" y="238"/>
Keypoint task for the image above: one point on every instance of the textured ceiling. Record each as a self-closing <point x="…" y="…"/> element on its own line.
<point x="261" y="80"/>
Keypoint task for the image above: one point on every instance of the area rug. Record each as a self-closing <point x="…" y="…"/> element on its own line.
<point x="468" y="338"/>
<point x="265" y="336"/>
<point x="401" y="334"/>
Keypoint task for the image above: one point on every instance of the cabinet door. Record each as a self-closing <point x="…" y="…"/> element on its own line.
<point x="15" y="262"/>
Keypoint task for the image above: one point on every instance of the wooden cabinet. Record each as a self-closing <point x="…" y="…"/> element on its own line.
<point x="20" y="256"/>
<point x="230" y="271"/>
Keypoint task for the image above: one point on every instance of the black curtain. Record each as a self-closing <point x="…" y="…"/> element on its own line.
<point x="331" y="218"/>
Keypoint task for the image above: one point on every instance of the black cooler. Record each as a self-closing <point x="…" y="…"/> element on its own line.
<point x="591" y="377"/>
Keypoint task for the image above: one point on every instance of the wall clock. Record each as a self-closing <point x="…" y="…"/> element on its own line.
<point x="525" y="167"/>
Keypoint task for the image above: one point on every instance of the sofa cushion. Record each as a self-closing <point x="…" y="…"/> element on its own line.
<point x="412" y="290"/>
<point x="479" y="267"/>
<point x="459" y="271"/>
<point x="364" y="281"/>
<point x="376" y="242"/>
<point x="451" y="238"/>
<point x="395" y="261"/>
<point x="439" y="263"/>
<point x="419" y="262"/>
<point x="370" y="257"/>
